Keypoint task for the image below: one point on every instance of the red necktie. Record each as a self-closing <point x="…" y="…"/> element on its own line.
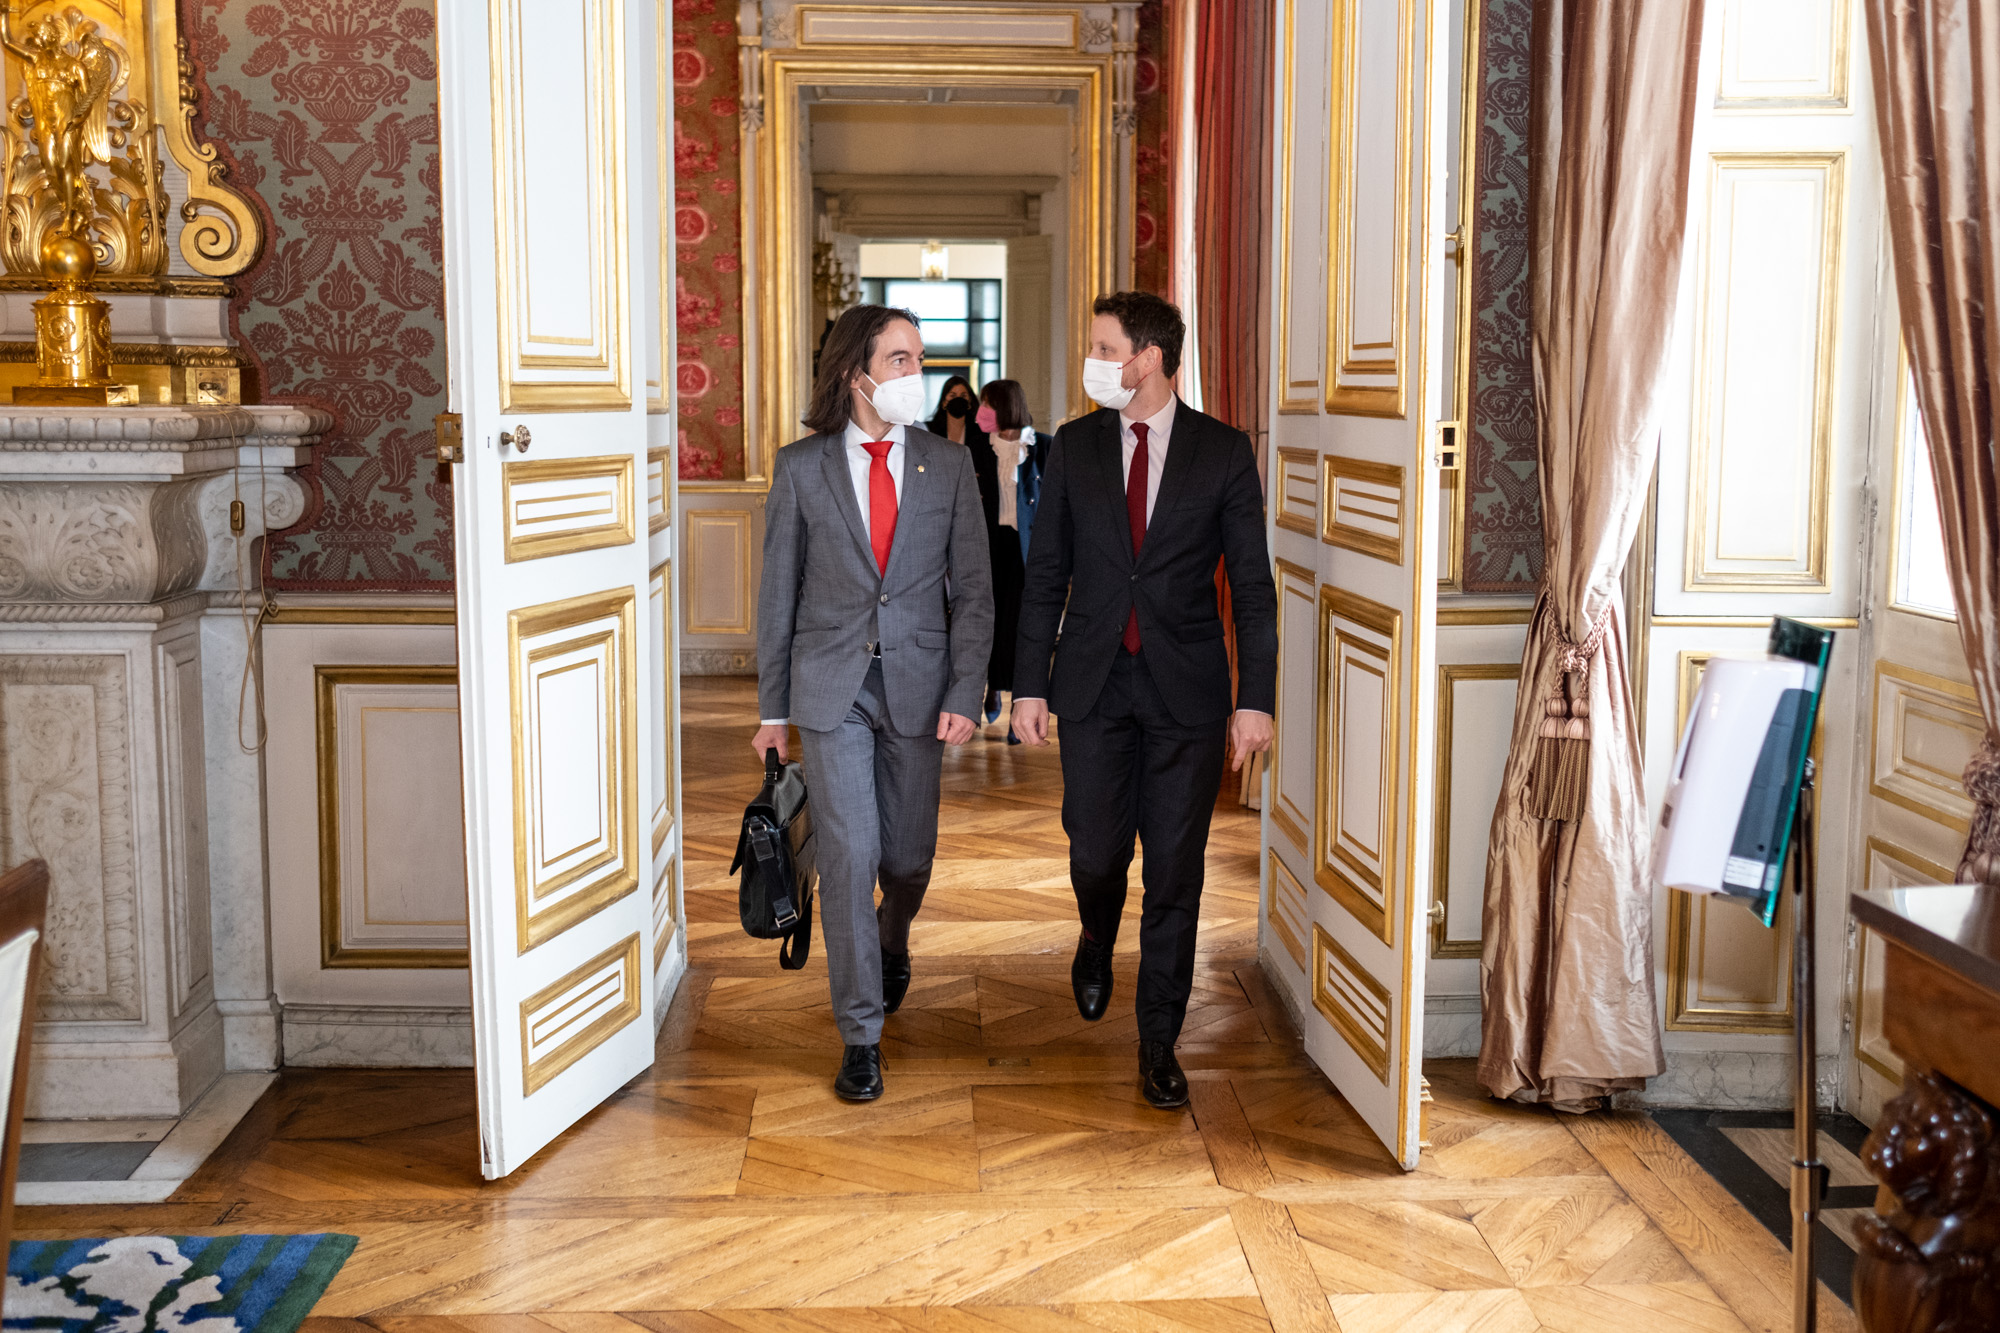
<point x="881" y="502"/>
<point x="1135" y="512"/>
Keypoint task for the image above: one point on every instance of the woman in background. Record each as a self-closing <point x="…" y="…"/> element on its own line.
<point x="1007" y="458"/>
<point x="953" y="418"/>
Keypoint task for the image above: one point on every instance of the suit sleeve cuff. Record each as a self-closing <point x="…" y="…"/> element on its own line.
<point x="1258" y="711"/>
<point x="774" y="721"/>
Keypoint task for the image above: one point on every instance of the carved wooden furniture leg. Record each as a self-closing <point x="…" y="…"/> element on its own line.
<point x="1929" y="1260"/>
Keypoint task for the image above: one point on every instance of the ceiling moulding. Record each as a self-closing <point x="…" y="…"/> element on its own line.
<point x="888" y="208"/>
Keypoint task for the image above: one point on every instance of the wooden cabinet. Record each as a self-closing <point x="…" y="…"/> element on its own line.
<point x="1930" y="1258"/>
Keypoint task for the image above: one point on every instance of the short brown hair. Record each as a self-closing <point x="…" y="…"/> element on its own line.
<point x="849" y="347"/>
<point x="1009" y="403"/>
<point x="1149" y="321"/>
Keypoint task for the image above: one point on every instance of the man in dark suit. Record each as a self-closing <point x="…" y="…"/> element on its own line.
<point x="1139" y="500"/>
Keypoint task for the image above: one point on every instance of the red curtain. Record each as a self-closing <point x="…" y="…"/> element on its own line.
<point x="1233" y="60"/>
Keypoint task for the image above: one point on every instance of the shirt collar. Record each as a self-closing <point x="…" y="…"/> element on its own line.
<point x="1160" y="425"/>
<point x="857" y="436"/>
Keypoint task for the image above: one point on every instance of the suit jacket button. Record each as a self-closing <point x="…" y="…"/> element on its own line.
<point x="885" y="599"/>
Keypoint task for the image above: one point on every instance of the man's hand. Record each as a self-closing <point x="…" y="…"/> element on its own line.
<point x="953" y="729"/>
<point x="772" y="738"/>
<point x="1249" y="733"/>
<point x="1030" y="720"/>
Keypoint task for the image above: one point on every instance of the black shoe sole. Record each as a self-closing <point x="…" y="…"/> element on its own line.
<point x="861" y="1097"/>
<point x="1160" y="1104"/>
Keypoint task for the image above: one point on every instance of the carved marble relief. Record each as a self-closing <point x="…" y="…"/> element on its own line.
<point x="66" y="797"/>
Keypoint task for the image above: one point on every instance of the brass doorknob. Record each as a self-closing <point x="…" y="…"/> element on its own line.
<point x="518" y="437"/>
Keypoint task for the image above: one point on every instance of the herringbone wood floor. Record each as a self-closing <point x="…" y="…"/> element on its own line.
<point x="1011" y="1179"/>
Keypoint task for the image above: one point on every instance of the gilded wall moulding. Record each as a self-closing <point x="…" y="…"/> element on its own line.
<point x="154" y="187"/>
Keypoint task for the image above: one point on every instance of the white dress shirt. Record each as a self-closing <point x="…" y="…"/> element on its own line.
<point x="859" y="461"/>
<point x="1160" y="432"/>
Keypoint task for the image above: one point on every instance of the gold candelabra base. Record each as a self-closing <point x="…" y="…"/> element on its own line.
<point x="72" y="333"/>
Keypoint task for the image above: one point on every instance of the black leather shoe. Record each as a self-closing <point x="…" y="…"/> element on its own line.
<point x="1090" y="978"/>
<point x="860" y="1076"/>
<point x="895" y="980"/>
<point x="1160" y="1076"/>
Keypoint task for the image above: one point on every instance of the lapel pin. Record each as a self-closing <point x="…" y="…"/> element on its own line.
<point x="920" y="467"/>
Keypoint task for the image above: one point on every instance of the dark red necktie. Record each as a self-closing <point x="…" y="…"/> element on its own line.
<point x="1135" y="512"/>
<point x="881" y="502"/>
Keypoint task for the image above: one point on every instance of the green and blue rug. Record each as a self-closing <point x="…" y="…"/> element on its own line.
<point x="170" y="1284"/>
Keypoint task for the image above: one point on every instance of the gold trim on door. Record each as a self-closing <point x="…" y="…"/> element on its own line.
<point x="598" y="489"/>
<point x="1289" y="403"/>
<point x="609" y="874"/>
<point x="602" y="995"/>
<point x="1342" y="510"/>
<point x="1345" y="358"/>
<point x="1346" y="876"/>
<point x="744" y="597"/>
<point x="658" y="515"/>
<point x="326" y="682"/>
<point x="601" y="360"/>
<point x="1355" y="1003"/>
<point x="1864" y="1025"/>
<point x="1294" y="512"/>
<point x="663" y="815"/>
<point x="1286" y="815"/>
<point x="1442" y="945"/>
<point x="1706" y="565"/>
<point x="1902" y="780"/>
<point x="666" y="893"/>
<point x="1288" y="911"/>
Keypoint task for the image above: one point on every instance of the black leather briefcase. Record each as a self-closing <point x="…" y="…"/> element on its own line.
<point x="775" y="852"/>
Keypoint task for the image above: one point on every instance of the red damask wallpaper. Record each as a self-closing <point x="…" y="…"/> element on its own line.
<point x="1152" y="160"/>
<point x="708" y="231"/>
<point x="326" y="111"/>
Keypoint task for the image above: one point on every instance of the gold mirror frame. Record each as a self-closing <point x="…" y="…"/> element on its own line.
<point x="783" y="281"/>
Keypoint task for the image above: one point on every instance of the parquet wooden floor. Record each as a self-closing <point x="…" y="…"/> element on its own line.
<point x="1010" y="1181"/>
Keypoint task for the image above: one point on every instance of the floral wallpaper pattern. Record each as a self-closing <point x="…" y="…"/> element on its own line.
<point x="708" y="283"/>
<point x="1152" y="160"/>
<point x="326" y="111"/>
<point x="1503" y="501"/>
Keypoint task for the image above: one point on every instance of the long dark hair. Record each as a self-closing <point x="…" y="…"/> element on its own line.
<point x="940" y="421"/>
<point x="849" y="347"/>
<point x="1009" y="403"/>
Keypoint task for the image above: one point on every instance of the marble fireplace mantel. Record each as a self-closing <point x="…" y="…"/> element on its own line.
<point x="123" y="646"/>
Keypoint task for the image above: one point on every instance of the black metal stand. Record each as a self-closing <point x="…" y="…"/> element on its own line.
<point x="1808" y="1172"/>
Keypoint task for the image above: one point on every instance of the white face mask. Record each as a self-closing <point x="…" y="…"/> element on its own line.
<point x="900" y="401"/>
<point x="1104" y="382"/>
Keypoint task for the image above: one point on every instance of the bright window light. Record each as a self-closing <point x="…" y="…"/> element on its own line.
<point x="1922" y="580"/>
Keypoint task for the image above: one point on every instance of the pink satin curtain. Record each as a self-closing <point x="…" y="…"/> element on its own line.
<point x="1937" y="100"/>
<point x="1567" y="965"/>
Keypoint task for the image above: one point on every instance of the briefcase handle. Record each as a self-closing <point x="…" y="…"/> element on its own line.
<point x="771" y="765"/>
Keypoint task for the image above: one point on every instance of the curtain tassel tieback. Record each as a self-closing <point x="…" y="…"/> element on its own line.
<point x="1561" y="774"/>
<point x="1981" y="864"/>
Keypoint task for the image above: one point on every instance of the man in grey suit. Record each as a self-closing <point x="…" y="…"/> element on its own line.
<point x="874" y="624"/>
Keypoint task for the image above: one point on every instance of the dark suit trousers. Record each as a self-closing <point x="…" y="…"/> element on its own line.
<point x="1130" y="769"/>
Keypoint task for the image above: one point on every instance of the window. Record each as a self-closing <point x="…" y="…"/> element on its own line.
<point x="961" y="326"/>
<point x="1921" y="580"/>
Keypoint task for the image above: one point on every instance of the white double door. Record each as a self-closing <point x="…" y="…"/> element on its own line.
<point x="550" y="148"/>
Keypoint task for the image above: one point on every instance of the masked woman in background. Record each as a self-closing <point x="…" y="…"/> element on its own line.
<point x="1007" y="458"/>
<point x="953" y="418"/>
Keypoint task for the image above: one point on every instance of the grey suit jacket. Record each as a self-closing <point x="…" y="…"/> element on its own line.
<point x="823" y="601"/>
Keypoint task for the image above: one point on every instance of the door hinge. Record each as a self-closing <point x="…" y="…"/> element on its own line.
<point x="449" y="430"/>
